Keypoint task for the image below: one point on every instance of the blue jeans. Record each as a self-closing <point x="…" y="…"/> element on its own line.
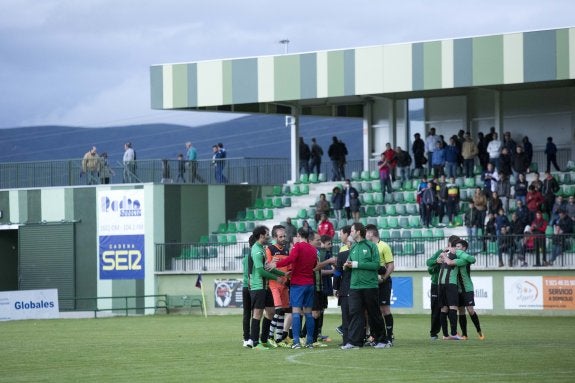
<point x="451" y="169"/>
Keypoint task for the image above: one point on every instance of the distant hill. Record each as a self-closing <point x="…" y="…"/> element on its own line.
<point x="251" y="136"/>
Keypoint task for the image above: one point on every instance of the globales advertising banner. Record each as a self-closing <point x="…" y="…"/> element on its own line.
<point x="121" y="234"/>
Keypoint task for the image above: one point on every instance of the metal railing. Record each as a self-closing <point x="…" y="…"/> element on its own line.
<point x="254" y="171"/>
<point x="409" y="253"/>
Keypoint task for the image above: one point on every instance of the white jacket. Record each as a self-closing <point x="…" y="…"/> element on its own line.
<point x="494" y="148"/>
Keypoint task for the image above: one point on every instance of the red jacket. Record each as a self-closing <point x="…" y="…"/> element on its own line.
<point x="302" y="258"/>
<point x="326" y="228"/>
<point x="538" y="226"/>
<point x="534" y="200"/>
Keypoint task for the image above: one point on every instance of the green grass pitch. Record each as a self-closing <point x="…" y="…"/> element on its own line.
<point x="183" y="348"/>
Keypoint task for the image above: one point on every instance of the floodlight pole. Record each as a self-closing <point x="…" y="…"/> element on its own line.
<point x="285" y="43"/>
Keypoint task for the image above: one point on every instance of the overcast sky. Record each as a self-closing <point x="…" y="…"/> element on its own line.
<point x="86" y="62"/>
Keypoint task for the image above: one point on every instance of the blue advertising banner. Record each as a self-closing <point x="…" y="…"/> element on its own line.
<point x="402" y="292"/>
<point x="121" y="257"/>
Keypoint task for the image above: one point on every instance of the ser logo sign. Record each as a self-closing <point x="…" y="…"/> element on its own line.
<point x="122" y="257"/>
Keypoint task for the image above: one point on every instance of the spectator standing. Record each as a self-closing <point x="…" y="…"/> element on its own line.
<point x="325" y="227"/>
<point x="490" y="178"/>
<point x="520" y="162"/>
<point x="192" y="163"/>
<point x="509" y="143"/>
<point x="550" y="188"/>
<point x="91" y="166"/>
<point x="391" y="158"/>
<point x="468" y="151"/>
<point x="505" y="161"/>
<point x="384" y="175"/>
<point x="551" y="153"/>
<point x="418" y="150"/>
<point x="304" y="156"/>
<point x="534" y="200"/>
<point x="470" y="220"/>
<point x="350" y="193"/>
<point x="494" y="150"/>
<point x="452" y="200"/>
<point x="431" y="146"/>
<point x="316" y="154"/>
<point x="562" y="229"/>
<point x="218" y="162"/>
<point x="482" y="150"/>
<point x="321" y="207"/>
<point x="480" y="202"/>
<point x="451" y="158"/>
<point x="570" y="207"/>
<point x="105" y="170"/>
<point x="334" y="154"/>
<point x="528" y="147"/>
<point x="342" y="161"/>
<point x="129" y="161"/>
<point x="337" y="202"/>
<point x="403" y="163"/>
<point x="538" y="228"/>
<point x="521" y="187"/>
<point x="504" y="191"/>
<point x="438" y="159"/>
<point x="427" y="203"/>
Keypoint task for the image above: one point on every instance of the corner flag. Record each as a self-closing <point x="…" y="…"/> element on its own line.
<point x="200" y="285"/>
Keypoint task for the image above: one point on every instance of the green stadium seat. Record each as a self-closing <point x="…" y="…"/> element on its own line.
<point x="302" y="214"/>
<point x="322" y="177"/>
<point x="269" y="214"/>
<point x="374" y="175"/>
<point x="392" y="223"/>
<point x="411" y="209"/>
<point x="438" y="234"/>
<point x="232" y="227"/>
<point x="414" y="221"/>
<point x="406" y="234"/>
<point x="410" y="197"/>
<point x="269" y="203"/>
<point x="222" y="239"/>
<point x="277" y="190"/>
<point x="355" y="176"/>
<point x="222" y="228"/>
<point x="365" y="176"/>
<point x="469" y="182"/>
<point x="286" y="190"/>
<point x="492" y="247"/>
<point x="250" y="215"/>
<point x="250" y="226"/>
<point x="304" y="189"/>
<point x="286" y="201"/>
<point x="400" y="209"/>
<point x="366" y="186"/>
<point x="382" y="223"/>
<point x="304" y="178"/>
<point x="390" y="210"/>
<point x="241" y="215"/>
<point x="367" y="198"/>
<point x="370" y="211"/>
<point x="242" y="227"/>
<point x="205" y="239"/>
<point x="409" y="248"/>
<point x="403" y="222"/>
<point x="398" y="197"/>
<point x="295" y="190"/>
<point x="389" y="198"/>
<point x="277" y="203"/>
<point x="384" y="234"/>
<point x="232" y="239"/>
<point x="378" y="198"/>
<point x="396" y="185"/>
<point x="313" y="178"/>
<point x="260" y="215"/>
<point x="259" y="203"/>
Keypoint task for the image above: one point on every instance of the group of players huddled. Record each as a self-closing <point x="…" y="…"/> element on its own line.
<point x="285" y="281"/>
<point x="452" y="291"/>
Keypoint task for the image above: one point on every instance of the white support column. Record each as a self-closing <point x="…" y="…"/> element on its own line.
<point x="367" y="137"/>
<point x="498" y="114"/>
<point x="293" y="123"/>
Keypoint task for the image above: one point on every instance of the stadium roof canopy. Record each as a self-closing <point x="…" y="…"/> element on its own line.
<point x="338" y="82"/>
